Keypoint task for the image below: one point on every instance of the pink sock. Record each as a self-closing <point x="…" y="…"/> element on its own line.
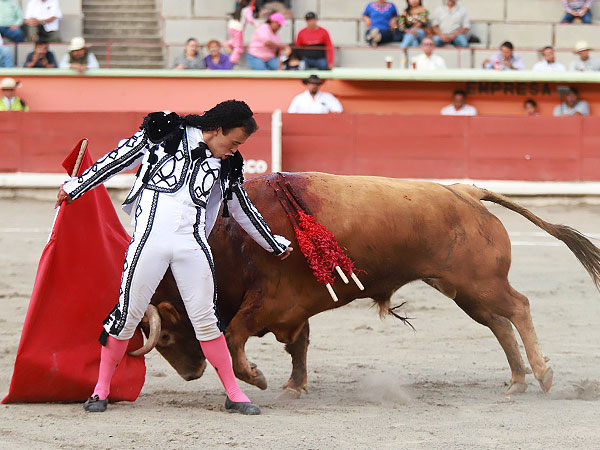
<point x="218" y="356"/>
<point x="110" y="357"/>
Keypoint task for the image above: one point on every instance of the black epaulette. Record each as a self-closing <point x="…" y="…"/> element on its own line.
<point x="232" y="173"/>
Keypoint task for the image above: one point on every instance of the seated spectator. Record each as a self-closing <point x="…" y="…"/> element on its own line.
<point x="584" y="63"/>
<point x="41" y="18"/>
<point x="571" y="105"/>
<point x="379" y="17"/>
<point x="265" y="44"/>
<point x="577" y="9"/>
<point x="427" y="60"/>
<point x="235" y="27"/>
<point x="79" y="57"/>
<point x="265" y="8"/>
<point x="505" y="59"/>
<point x="531" y="107"/>
<point x="315" y="44"/>
<point x="6" y="56"/>
<point x="459" y="106"/>
<point x="215" y="59"/>
<point x="11" y="19"/>
<point x="450" y="23"/>
<point x="190" y="58"/>
<point x="9" y="102"/>
<point x="412" y="22"/>
<point x="549" y="63"/>
<point x="293" y="61"/>
<point x="313" y="101"/>
<point x="40" y="57"/>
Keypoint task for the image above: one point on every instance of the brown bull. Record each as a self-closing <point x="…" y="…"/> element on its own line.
<point x="397" y="231"/>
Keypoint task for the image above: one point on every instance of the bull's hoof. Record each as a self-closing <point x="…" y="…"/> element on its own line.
<point x="259" y="380"/>
<point x="516" y="388"/>
<point x="546" y="380"/>
<point x="289" y="394"/>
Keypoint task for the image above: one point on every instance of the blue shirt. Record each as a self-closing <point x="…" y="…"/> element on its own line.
<point x="380" y="14"/>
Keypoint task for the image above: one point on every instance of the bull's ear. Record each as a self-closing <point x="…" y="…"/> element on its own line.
<point x="168" y="313"/>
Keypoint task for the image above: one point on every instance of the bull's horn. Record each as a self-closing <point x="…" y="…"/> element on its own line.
<point x="154" y="336"/>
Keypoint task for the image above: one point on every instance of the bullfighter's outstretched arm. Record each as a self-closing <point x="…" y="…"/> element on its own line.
<point x="247" y="215"/>
<point x="128" y="154"/>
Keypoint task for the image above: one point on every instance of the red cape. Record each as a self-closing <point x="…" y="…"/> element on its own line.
<point x="76" y="286"/>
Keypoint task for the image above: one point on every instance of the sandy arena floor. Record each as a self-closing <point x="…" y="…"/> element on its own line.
<point x="372" y="384"/>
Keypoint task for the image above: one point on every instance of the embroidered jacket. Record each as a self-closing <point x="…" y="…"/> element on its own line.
<point x="181" y="160"/>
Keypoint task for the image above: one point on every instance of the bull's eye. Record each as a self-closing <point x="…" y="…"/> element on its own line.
<point x="165" y="339"/>
<point x="165" y="336"/>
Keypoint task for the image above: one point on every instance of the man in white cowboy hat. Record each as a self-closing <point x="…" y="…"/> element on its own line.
<point x="9" y="102"/>
<point x="79" y="57"/>
<point x="313" y="101"/>
<point x="585" y="62"/>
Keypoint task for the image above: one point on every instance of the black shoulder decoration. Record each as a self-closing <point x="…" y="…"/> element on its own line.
<point x="160" y="127"/>
<point x="232" y="173"/>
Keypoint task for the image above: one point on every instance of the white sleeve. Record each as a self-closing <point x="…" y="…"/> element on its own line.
<point x="334" y="104"/>
<point x="92" y="62"/>
<point x="245" y="213"/>
<point x="293" y="106"/>
<point x="64" y="62"/>
<point x="127" y="155"/>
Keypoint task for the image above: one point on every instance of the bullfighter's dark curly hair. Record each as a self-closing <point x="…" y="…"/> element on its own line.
<point x="226" y="115"/>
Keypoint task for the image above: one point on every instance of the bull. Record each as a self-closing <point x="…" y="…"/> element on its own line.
<point x="397" y="231"/>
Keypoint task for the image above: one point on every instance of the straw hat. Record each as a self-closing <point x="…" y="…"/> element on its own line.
<point x="581" y="46"/>
<point x="77" y="43"/>
<point x="9" y="83"/>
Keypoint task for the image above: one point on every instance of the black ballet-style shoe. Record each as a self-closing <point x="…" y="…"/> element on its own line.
<point x="247" y="408"/>
<point x="94" y="404"/>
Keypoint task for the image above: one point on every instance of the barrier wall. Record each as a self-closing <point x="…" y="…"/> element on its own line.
<point x="511" y="148"/>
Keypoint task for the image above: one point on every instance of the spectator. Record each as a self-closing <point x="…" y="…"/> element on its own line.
<point x="379" y="16"/>
<point x="293" y="60"/>
<point x="6" y="56"/>
<point x="11" y="19"/>
<point x="577" y="9"/>
<point x="190" y="58"/>
<point x="40" y="57"/>
<point x="215" y="59"/>
<point x="531" y="108"/>
<point x="412" y="23"/>
<point x="450" y="24"/>
<point x="584" y="63"/>
<point x="427" y="60"/>
<point x="549" y="63"/>
<point x="505" y="59"/>
<point x="313" y="101"/>
<point x="317" y="49"/>
<point x="571" y="105"/>
<point x="41" y="18"/>
<point x="459" y="106"/>
<point x="79" y="57"/>
<point x="9" y="101"/>
<point x="236" y="26"/>
<point x="267" y="7"/>
<point x="265" y="44"/>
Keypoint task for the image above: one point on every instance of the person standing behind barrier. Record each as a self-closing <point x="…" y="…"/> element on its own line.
<point x="315" y="45"/>
<point x="572" y="106"/>
<point x="41" y="18"/>
<point x="549" y="63"/>
<point x="41" y="57"/>
<point x="313" y="101"/>
<point x="11" y="19"/>
<point x="190" y="58"/>
<point x="459" y="105"/>
<point x="265" y="44"/>
<point x="505" y="59"/>
<point x="427" y="60"/>
<point x="450" y="23"/>
<point x="577" y="9"/>
<point x="79" y="57"/>
<point x="378" y="18"/>
<point x="531" y="108"/>
<point x="584" y="63"/>
<point x="6" y="56"/>
<point x="235" y="27"/>
<point x="412" y="22"/>
<point x="10" y="102"/>
<point x="215" y="59"/>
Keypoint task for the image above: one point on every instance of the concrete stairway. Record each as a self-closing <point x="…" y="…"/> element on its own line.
<point x="133" y="26"/>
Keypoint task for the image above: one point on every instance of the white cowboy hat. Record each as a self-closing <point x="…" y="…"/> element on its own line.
<point x="9" y="83"/>
<point x="77" y="43"/>
<point x="581" y="46"/>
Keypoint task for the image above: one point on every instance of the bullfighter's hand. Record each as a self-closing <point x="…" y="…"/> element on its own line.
<point x="286" y="253"/>
<point x="61" y="197"/>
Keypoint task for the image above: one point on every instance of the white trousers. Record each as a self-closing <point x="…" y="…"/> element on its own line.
<point x="167" y="233"/>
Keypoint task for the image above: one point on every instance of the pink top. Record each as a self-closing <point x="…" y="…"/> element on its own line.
<point x="257" y="48"/>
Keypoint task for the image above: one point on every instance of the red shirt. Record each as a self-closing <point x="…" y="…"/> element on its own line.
<point x="319" y="37"/>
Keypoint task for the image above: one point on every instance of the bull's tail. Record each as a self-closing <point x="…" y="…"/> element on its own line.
<point x="585" y="251"/>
